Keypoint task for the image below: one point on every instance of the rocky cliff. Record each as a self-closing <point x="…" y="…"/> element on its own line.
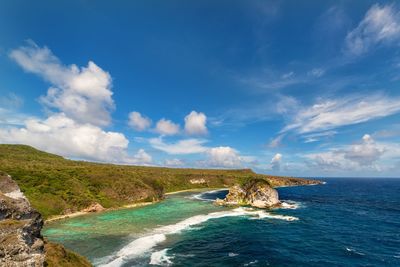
<point x="255" y="192"/>
<point x="21" y="244"/>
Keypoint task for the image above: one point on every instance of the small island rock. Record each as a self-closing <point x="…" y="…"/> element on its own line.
<point x="255" y="192"/>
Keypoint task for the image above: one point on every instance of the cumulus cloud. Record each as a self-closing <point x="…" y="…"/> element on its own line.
<point x="362" y="155"/>
<point x="82" y="93"/>
<point x="167" y="127"/>
<point x="224" y="157"/>
<point x="138" y="122"/>
<point x="195" y="123"/>
<point x="62" y="135"/>
<point x="141" y="158"/>
<point x="381" y="25"/>
<point x="333" y="113"/>
<point x="365" y="153"/>
<point x="82" y="102"/>
<point x="186" y="146"/>
<point x="276" y="162"/>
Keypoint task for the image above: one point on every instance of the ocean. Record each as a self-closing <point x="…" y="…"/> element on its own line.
<point x="345" y="222"/>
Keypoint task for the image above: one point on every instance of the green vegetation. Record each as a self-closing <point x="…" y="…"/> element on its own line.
<point x="58" y="256"/>
<point x="55" y="185"/>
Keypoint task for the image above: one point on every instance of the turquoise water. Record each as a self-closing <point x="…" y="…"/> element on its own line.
<point x="346" y="222"/>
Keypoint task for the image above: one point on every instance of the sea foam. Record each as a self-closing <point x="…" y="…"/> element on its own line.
<point x="161" y="258"/>
<point x="145" y="244"/>
<point x="288" y="204"/>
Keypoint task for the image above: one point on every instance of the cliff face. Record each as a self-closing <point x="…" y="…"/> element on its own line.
<point x="256" y="192"/>
<point x="21" y="244"/>
<point x="20" y="225"/>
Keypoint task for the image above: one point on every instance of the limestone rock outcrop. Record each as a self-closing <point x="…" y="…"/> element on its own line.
<point x="255" y="192"/>
<point x="95" y="207"/>
<point x="21" y="243"/>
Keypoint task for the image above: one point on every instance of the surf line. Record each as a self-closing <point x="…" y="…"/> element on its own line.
<point x="144" y="244"/>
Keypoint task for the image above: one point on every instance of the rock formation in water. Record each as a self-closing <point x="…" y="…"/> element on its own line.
<point x="255" y="192"/>
<point x="20" y="225"/>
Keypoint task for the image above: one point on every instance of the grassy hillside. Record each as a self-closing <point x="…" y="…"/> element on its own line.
<point x="55" y="185"/>
<point x="58" y="256"/>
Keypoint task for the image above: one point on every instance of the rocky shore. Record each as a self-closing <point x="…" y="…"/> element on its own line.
<point x="20" y="225"/>
<point x="21" y="243"/>
<point x="256" y="193"/>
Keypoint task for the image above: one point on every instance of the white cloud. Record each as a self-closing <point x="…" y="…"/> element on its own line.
<point x="82" y="98"/>
<point x="381" y="25"/>
<point x="167" y="127"/>
<point x="334" y="113"/>
<point x="195" y="123"/>
<point x="173" y="162"/>
<point x="63" y="136"/>
<point x="186" y="146"/>
<point x="287" y="75"/>
<point x="363" y="155"/>
<point x="276" y="162"/>
<point x="276" y="142"/>
<point x="224" y="157"/>
<point x="141" y="158"/>
<point x="314" y="137"/>
<point x="83" y="94"/>
<point x="11" y="101"/>
<point x="138" y="122"/>
<point x="316" y="72"/>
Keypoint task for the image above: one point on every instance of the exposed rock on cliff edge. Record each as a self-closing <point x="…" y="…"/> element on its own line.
<point x="255" y="192"/>
<point x="21" y="243"/>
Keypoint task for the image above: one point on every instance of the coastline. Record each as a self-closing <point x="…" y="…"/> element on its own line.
<point x="81" y="213"/>
<point x="142" y="204"/>
<point x="196" y="190"/>
<point x="128" y="206"/>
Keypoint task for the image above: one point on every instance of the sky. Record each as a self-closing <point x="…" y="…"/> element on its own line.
<point x="308" y="88"/>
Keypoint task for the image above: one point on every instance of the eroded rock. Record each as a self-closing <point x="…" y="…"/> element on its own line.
<point x="21" y="242"/>
<point x="95" y="207"/>
<point x="255" y="192"/>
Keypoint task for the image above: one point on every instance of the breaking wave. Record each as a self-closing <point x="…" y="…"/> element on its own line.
<point x="145" y="244"/>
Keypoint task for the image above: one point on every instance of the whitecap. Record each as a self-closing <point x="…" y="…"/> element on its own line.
<point x="231" y="254"/>
<point x="250" y="263"/>
<point x="354" y="251"/>
<point x="161" y="258"/>
<point x="289" y="204"/>
<point x="145" y="244"/>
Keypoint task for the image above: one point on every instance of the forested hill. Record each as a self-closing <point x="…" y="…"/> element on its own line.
<point x="55" y="185"/>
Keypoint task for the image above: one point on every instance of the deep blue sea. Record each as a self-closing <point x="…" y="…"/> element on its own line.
<point x="345" y="222"/>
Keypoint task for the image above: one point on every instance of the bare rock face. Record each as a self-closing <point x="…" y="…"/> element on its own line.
<point x="21" y="243"/>
<point x="256" y="192"/>
<point x="95" y="207"/>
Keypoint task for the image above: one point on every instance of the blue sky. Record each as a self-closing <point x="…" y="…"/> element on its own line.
<point x="282" y="87"/>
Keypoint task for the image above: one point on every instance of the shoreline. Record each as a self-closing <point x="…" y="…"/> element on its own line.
<point x="128" y="206"/>
<point x="81" y="213"/>
<point x="196" y="189"/>
<point x="141" y="204"/>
